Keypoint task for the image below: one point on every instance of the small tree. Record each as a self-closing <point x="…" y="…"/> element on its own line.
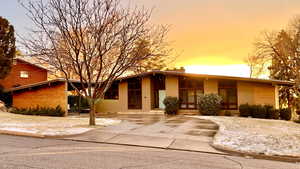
<point x="95" y="41"/>
<point x="209" y="104"/>
<point x="7" y="47"/>
<point x="157" y="62"/>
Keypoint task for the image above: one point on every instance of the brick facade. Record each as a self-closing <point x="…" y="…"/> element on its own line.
<point x="35" y="74"/>
<point x="45" y="96"/>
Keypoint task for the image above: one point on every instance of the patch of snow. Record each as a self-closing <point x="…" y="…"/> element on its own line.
<point x="22" y="130"/>
<point x="261" y="136"/>
<point x="49" y="126"/>
<point x="65" y="131"/>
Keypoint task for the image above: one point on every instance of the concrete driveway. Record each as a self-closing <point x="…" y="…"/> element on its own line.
<point x="159" y="131"/>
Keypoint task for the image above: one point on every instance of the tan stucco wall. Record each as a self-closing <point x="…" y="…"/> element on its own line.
<point x="108" y="106"/>
<point x="245" y="93"/>
<point x="210" y="86"/>
<point x="255" y="93"/>
<point x="50" y="96"/>
<point x="121" y="105"/>
<point x="172" y="86"/>
<point x="264" y="94"/>
<point x="114" y="106"/>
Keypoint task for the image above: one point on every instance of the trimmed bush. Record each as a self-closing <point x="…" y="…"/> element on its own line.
<point x="209" y="104"/>
<point x="171" y="105"/>
<point x="259" y="111"/>
<point x="285" y="114"/>
<point x="227" y="113"/>
<point x="271" y="112"/>
<point x="40" y="111"/>
<point x="245" y="110"/>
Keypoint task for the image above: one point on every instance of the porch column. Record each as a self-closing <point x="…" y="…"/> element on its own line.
<point x="276" y="96"/>
<point x="146" y="94"/>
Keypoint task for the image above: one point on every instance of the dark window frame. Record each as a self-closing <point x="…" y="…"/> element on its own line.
<point x="189" y="86"/>
<point x="134" y="86"/>
<point x="112" y="93"/>
<point x="228" y="87"/>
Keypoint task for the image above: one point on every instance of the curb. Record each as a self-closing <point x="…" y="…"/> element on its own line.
<point x="258" y="156"/>
<point x="35" y="135"/>
<point x="132" y="145"/>
<point x="16" y="133"/>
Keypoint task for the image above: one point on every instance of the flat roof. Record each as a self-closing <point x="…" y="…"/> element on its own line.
<point x="206" y="76"/>
<point x="33" y="85"/>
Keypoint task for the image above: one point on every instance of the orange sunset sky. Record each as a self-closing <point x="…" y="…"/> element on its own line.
<point x="219" y="32"/>
<point x="211" y="36"/>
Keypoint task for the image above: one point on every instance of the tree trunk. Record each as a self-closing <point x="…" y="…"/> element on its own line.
<point x="92" y="113"/>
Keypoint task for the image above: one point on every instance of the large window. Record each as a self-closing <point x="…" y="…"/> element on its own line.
<point x="113" y="92"/>
<point x="228" y="92"/>
<point x="135" y="93"/>
<point x="189" y="90"/>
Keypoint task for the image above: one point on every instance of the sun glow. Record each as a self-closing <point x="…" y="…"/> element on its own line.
<point x="240" y="70"/>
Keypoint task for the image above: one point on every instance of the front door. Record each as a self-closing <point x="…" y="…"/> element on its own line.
<point x="135" y="93"/>
<point x="158" y="90"/>
<point x="161" y="97"/>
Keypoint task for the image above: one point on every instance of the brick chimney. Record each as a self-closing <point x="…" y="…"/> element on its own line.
<point x="181" y="69"/>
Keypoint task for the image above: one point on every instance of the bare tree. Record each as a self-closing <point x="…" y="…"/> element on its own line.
<point x="282" y="50"/>
<point x="258" y="64"/>
<point x="96" y="40"/>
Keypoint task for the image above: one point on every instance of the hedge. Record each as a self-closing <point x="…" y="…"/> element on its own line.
<point x="264" y="112"/>
<point x="40" y="111"/>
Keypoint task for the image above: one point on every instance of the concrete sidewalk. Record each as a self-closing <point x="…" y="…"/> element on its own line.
<point x="178" y="133"/>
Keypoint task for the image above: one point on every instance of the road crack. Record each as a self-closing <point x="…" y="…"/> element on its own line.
<point x="235" y="161"/>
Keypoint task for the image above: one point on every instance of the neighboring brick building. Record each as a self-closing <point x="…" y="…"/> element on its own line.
<point x="44" y="94"/>
<point x="24" y="73"/>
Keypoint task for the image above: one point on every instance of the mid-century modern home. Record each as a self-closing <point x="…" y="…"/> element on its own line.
<point x="145" y="92"/>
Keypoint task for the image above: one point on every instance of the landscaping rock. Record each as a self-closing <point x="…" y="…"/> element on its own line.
<point x="2" y="107"/>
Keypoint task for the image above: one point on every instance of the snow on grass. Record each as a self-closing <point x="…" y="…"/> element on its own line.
<point x="49" y="126"/>
<point x="260" y="136"/>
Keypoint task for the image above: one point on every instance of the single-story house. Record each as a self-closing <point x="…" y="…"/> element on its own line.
<point x="145" y="92"/>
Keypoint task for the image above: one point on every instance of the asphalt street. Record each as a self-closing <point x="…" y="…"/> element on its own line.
<point x="33" y="153"/>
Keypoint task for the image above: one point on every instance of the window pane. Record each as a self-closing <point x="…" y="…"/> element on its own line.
<point x="112" y="92"/>
<point x="183" y="96"/>
<point x="232" y="98"/>
<point x="192" y="106"/>
<point x="228" y="92"/>
<point x="183" y="106"/>
<point x="199" y="93"/>
<point x="191" y="96"/>
<point x="223" y="94"/>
